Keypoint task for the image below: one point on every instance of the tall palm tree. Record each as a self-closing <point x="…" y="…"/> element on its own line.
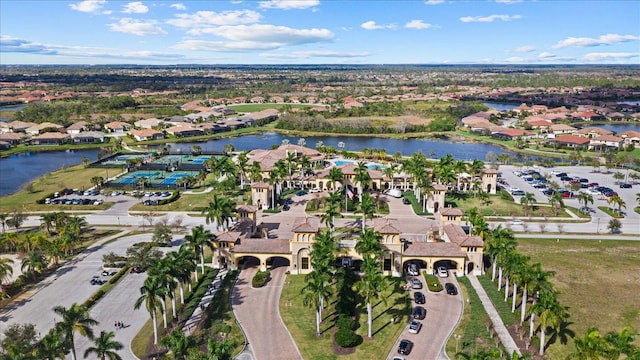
<point x="617" y="202"/>
<point x="51" y="347"/>
<point x="362" y="177"/>
<point x="335" y="175"/>
<point x="242" y="161"/>
<point x="198" y="239"/>
<point x="182" y="263"/>
<point x="622" y="342"/>
<point x="540" y="284"/>
<point x="556" y="201"/>
<point x="163" y="270"/>
<point x="75" y="319"/>
<point x="368" y="208"/>
<point x="585" y="198"/>
<point x="372" y="283"/>
<point x="34" y="263"/>
<point x="178" y="344"/>
<point x="255" y="172"/>
<point x="389" y="172"/>
<point x="219" y="210"/>
<point x="550" y="312"/>
<point x="500" y="242"/>
<point x="328" y="217"/>
<point x="152" y="293"/>
<point x="592" y="347"/>
<point x="527" y="201"/>
<point x="105" y="347"/>
<point x="314" y="292"/>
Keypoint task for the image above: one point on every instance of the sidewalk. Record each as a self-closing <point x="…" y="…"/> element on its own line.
<point x="498" y="325"/>
<point x="191" y="324"/>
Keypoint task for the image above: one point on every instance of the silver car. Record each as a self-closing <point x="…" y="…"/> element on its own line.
<point x="415" y="326"/>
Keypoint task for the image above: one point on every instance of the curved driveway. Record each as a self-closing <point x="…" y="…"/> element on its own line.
<point x="257" y="311"/>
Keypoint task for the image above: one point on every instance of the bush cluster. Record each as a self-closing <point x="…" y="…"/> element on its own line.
<point x="345" y="310"/>
<point x="260" y="278"/>
<point x="175" y="196"/>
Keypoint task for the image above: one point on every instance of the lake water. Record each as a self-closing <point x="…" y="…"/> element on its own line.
<point x="17" y="170"/>
<point x="617" y="128"/>
<point x="500" y="106"/>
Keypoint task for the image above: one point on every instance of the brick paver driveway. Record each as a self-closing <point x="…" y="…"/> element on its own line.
<point x="258" y="314"/>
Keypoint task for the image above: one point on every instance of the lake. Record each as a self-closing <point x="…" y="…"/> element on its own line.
<point x="618" y="128"/>
<point x="17" y="170"/>
<point x="501" y="106"/>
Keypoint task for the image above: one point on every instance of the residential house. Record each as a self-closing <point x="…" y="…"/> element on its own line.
<point x="185" y="130"/>
<point x="510" y="134"/>
<point x="146" y="134"/>
<point x="586" y="116"/>
<point x="13" y="138"/>
<point x="37" y="129"/>
<point x="560" y="129"/>
<point x="630" y="137"/>
<point x="76" y="128"/>
<point x="51" y="138"/>
<point x="88" y="137"/>
<point x="591" y="132"/>
<point x="117" y="127"/>
<point x="571" y="141"/>
<point x="150" y="123"/>
<point x="605" y="142"/>
<point x="20" y="126"/>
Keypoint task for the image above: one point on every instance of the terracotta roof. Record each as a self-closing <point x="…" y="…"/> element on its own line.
<point x="386" y="226"/>
<point x="246" y="208"/>
<point x="50" y="135"/>
<point x="434" y="249"/>
<point x="449" y="211"/>
<point x="439" y="187"/>
<point x="457" y="236"/>
<point x="607" y="138"/>
<point x="593" y="129"/>
<point x="572" y="139"/>
<point x="306" y="224"/>
<point x="260" y="185"/>
<point x="229" y="236"/>
<point x="490" y="171"/>
<point x="262" y="246"/>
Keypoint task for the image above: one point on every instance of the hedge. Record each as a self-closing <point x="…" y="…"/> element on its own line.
<point x="260" y="278"/>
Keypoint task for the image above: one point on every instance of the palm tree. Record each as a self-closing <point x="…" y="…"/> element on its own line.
<point x="74" y="319"/>
<point x="622" y="342"/>
<point x="178" y="344"/>
<point x="328" y="217"/>
<point x="372" y="283"/>
<point x="198" y="239"/>
<point x="182" y="262"/>
<point x="389" y="172"/>
<point x="585" y="198"/>
<point x="591" y="347"/>
<point x="527" y="201"/>
<point x="551" y="314"/>
<point x="255" y="172"/>
<point x="368" y="208"/>
<point x="220" y="210"/>
<point x="6" y="270"/>
<point x="3" y="220"/>
<point x="540" y="283"/>
<point x="162" y="269"/>
<point x="34" y="263"/>
<point x="152" y="293"/>
<point x="314" y="292"/>
<point x="335" y="175"/>
<point x="617" y="202"/>
<point x="556" y="201"/>
<point x="242" y="162"/>
<point x="500" y="242"/>
<point x="362" y="177"/>
<point x="105" y="347"/>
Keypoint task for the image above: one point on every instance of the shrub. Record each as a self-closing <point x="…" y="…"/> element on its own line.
<point x="347" y="338"/>
<point x="433" y="283"/>
<point x="260" y="278"/>
<point x="345" y="322"/>
<point x="175" y="196"/>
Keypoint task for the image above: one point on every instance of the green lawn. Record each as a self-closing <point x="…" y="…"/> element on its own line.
<point x="611" y="212"/>
<point x="300" y="320"/>
<point x="500" y="206"/>
<point x="598" y="281"/>
<point x="75" y="177"/>
<point x="260" y="107"/>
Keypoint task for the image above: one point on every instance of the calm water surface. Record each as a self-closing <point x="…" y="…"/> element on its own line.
<point x="17" y="170"/>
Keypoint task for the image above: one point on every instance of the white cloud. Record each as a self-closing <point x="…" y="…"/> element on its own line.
<point x="223" y="46"/>
<point x="546" y="55"/>
<point x="270" y="34"/>
<point x="212" y="18"/>
<point x="88" y="6"/>
<point x="137" y="27"/>
<point x="433" y="2"/>
<point x="178" y="6"/>
<point x="136" y="7"/>
<point x="371" y="25"/>
<point x="490" y="18"/>
<point x="609" y="56"/>
<point x="526" y="48"/>
<point x="288" y="4"/>
<point x="316" y="53"/>
<point x="607" y="39"/>
<point x="508" y="1"/>
<point x="418" y="24"/>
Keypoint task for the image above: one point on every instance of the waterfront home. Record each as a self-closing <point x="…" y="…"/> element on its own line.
<point x="560" y="129"/>
<point x="20" y="126"/>
<point x="51" y="138"/>
<point x="510" y="134"/>
<point x="146" y="134"/>
<point x="149" y="123"/>
<point x="630" y="137"/>
<point x="88" y="137"/>
<point x="13" y="138"/>
<point x="184" y="130"/>
<point x="591" y="132"/>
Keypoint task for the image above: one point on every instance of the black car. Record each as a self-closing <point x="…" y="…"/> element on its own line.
<point x="419" y="313"/>
<point x="451" y="289"/>
<point x="285" y="207"/>
<point x="625" y="185"/>
<point x="405" y="347"/>
<point x="406" y="201"/>
<point x="418" y="297"/>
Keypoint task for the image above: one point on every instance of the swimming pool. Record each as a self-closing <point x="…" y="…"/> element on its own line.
<point x="370" y="166"/>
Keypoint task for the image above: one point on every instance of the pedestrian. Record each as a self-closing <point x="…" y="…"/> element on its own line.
<point x="116" y="325"/>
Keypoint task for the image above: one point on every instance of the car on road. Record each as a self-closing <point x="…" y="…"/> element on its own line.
<point x="314" y="190"/>
<point x="405" y="347"/>
<point x="517" y="193"/>
<point x="451" y="289"/>
<point x="625" y="186"/>
<point x="443" y="272"/>
<point x="415" y="326"/>
<point x="289" y="201"/>
<point x="397" y="358"/>
<point x="418" y="297"/>
<point x="416" y="284"/>
<point x="406" y="201"/>
<point x="516" y="222"/>
<point x="285" y="207"/>
<point x="412" y="269"/>
<point x="301" y="193"/>
<point x="419" y="313"/>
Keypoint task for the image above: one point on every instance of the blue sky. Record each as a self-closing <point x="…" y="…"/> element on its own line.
<point x="320" y="32"/>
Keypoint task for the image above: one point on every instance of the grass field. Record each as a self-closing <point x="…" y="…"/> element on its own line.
<point x="74" y="177"/>
<point x="300" y="320"/>
<point x="260" y="107"/>
<point x="599" y="281"/>
<point x="501" y="207"/>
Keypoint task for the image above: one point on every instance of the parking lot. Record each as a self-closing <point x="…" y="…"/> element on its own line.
<point x="97" y="197"/>
<point x="589" y="176"/>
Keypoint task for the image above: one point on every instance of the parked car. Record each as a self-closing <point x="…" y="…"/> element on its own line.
<point x="285" y="207"/>
<point x="443" y="272"/>
<point x="412" y="269"/>
<point x="517" y="193"/>
<point x="405" y="347"/>
<point x="416" y="284"/>
<point x="415" y="326"/>
<point x="419" y="313"/>
<point x="516" y="222"/>
<point x="301" y="193"/>
<point x="451" y="289"/>
<point x="418" y="297"/>
<point x="625" y="185"/>
<point x="406" y="201"/>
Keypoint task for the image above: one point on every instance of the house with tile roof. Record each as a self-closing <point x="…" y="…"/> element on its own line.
<point x="605" y="142"/>
<point x="572" y="141"/>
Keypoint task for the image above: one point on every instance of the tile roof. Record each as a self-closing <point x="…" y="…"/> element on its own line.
<point x="262" y="246"/>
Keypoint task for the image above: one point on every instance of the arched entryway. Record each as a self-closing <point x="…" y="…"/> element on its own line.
<point x="470" y="267"/>
<point x="277" y="261"/>
<point x="488" y="188"/>
<point x="436" y="206"/>
<point x="247" y="261"/>
<point x="449" y="265"/>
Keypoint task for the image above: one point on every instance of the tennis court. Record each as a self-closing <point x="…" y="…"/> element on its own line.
<point x="154" y="178"/>
<point x="121" y="160"/>
<point x="182" y="159"/>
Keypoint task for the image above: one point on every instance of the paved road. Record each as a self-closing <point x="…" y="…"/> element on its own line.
<point x="443" y="313"/>
<point x="257" y="311"/>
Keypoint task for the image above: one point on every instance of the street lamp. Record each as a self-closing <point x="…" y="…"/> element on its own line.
<point x="457" y="337"/>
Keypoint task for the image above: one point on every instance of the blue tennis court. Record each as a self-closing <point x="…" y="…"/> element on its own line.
<point x="134" y="177"/>
<point x="174" y="177"/>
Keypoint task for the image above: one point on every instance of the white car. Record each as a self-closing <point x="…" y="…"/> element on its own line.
<point x="415" y="326"/>
<point x="412" y="269"/>
<point x="516" y="222"/>
<point x="443" y="272"/>
<point x="314" y="190"/>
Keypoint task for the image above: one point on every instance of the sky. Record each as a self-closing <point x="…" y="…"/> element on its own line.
<point x="320" y="32"/>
